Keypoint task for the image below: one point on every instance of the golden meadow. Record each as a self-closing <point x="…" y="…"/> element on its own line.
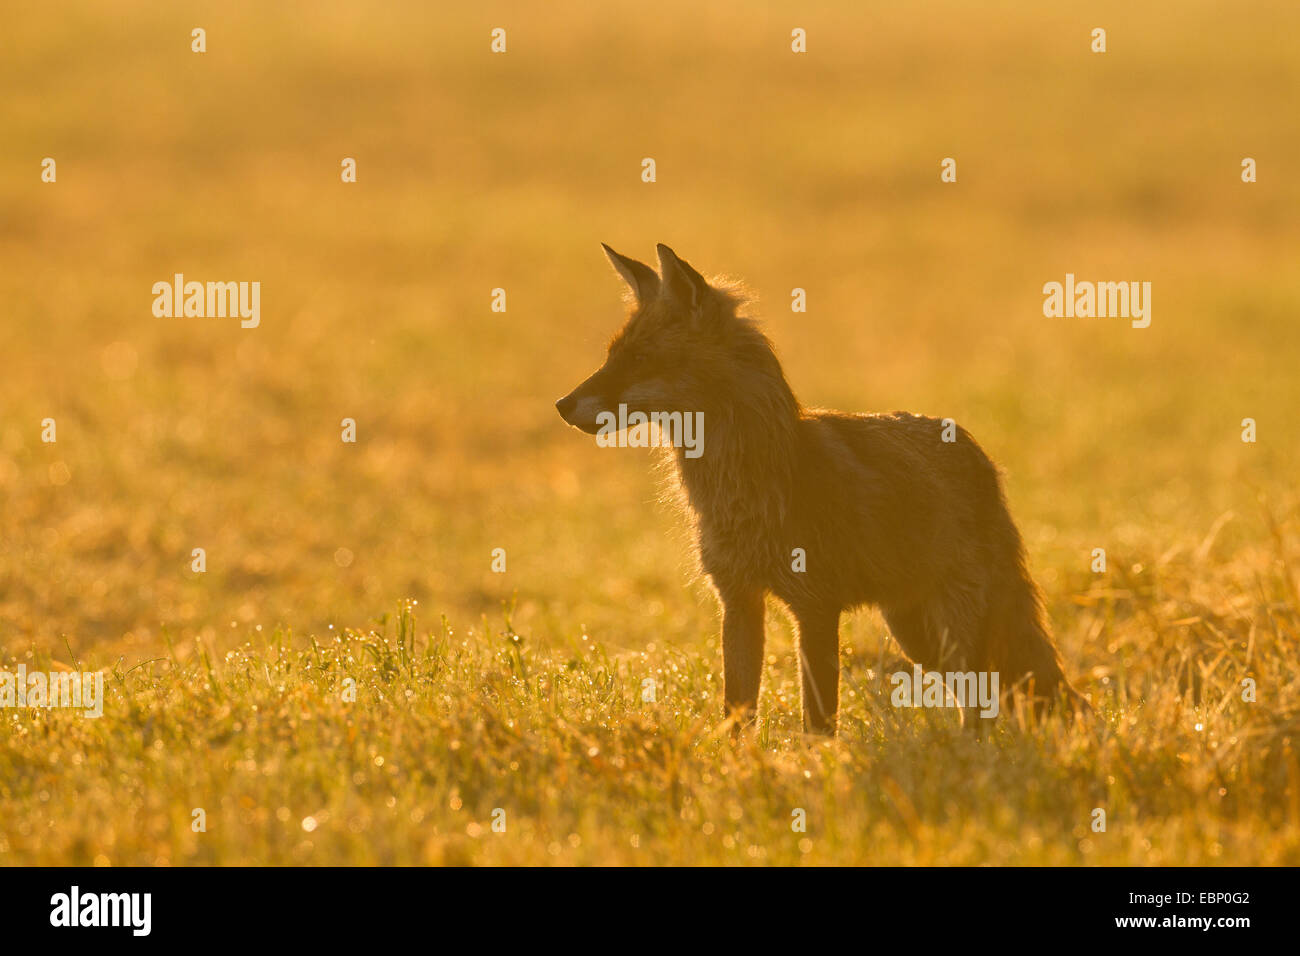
<point x="478" y="691"/>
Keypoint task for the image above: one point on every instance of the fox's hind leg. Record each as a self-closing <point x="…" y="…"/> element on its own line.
<point x="936" y="640"/>
<point x="940" y="636"/>
<point x="742" y="651"/>
<point x="819" y="667"/>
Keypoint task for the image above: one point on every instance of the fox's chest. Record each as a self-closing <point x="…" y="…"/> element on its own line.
<point x="741" y="549"/>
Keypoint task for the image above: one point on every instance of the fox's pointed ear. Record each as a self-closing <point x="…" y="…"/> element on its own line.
<point x="639" y="276"/>
<point x="681" y="282"/>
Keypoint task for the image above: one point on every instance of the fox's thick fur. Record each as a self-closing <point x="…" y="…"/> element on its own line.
<point x="887" y="512"/>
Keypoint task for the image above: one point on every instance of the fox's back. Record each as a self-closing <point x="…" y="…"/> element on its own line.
<point x="884" y="505"/>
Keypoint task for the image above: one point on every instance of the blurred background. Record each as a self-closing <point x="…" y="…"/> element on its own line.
<point x="478" y="171"/>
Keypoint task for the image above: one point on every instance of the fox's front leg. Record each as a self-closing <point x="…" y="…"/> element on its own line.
<point x="742" y="651"/>
<point x="819" y="666"/>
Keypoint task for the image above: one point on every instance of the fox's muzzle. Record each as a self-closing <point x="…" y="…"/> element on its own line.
<point x="580" y="410"/>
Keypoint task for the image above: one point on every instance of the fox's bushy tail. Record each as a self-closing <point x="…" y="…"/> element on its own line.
<point x="1017" y="640"/>
<point x="1019" y="646"/>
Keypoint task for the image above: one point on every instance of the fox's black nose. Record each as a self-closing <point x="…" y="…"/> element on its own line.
<point x="565" y="406"/>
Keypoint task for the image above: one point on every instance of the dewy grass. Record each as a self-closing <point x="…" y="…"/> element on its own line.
<point x="395" y="744"/>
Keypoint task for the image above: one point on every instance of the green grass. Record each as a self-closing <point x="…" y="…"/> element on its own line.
<point x="477" y="172"/>
<point x="401" y="745"/>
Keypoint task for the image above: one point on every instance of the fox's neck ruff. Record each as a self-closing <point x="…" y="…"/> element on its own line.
<point x="741" y="484"/>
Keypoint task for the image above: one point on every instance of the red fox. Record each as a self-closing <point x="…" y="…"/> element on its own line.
<point x="826" y="510"/>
